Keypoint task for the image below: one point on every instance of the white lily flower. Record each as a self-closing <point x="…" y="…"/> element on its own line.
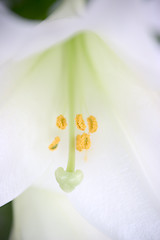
<point x="68" y="66"/>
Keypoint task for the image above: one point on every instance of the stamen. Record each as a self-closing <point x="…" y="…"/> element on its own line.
<point x="54" y="144"/>
<point x="86" y="141"/>
<point x="92" y="124"/>
<point x="61" y="122"/>
<point x="80" y="123"/>
<point x="83" y="142"/>
<point x="79" y="143"/>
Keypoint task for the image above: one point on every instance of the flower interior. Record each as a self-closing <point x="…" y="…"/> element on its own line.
<point x="70" y="178"/>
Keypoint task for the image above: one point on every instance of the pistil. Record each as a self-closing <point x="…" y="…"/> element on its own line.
<point x="71" y="100"/>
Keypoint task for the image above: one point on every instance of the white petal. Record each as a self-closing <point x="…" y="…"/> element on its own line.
<point x="49" y="33"/>
<point x="120" y="178"/>
<point x="29" y="37"/>
<point x="40" y="214"/>
<point x="69" y="8"/>
<point x="130" y="34"/>
<point x="13" y="32"/>
<point x="29" y="106"/>
<point x="126" y="27"/>
<point x="63" y="23"/>
<point x="135" y="106"/>
<point x="152" y="9"/>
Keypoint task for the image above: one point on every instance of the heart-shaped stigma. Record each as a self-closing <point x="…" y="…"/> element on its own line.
<point x="68" y="180"/>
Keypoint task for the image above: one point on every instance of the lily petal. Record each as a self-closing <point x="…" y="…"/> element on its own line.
<point x="68" y="8"/>
<point x="13" y="31"/>
<point x="26" y="113"/>
<point x="121" y="178"/>
<point x="40" y="214"/>
<point x="134" y="106"/>
<point x="126" y="27"/>
<point x="22" y="32"/>
<point x="130" y="35"/>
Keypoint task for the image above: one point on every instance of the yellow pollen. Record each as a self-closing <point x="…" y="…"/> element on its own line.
<point x="83" y="142"/>
<point x="92" y="124"/>
<point x="80" y="123"/>
<point x="86" y="141"/>
<point x="79" y="143"/>
<point x="61" y="122"/>
<point x="54" y="144"/>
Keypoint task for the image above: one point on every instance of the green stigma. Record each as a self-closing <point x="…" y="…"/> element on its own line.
<point x="68" y="180"/>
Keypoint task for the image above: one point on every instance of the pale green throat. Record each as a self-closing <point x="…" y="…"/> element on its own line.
<point x="68" y="179"/>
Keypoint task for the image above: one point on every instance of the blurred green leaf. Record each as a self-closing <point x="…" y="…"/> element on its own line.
<point x="5" y="221"/>
<point x="32" y="9"/>
<point x="158" y="37"/>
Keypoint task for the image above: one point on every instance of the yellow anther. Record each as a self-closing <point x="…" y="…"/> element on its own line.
<point x="61" y="122"/>
<point x="79" y="143"/>
<point x="86" y="141"/>
<point x="80" y="123"/>
<point x="83" y="142"/>
<point x="54" y="144"/>
<point x="92" y="124"/>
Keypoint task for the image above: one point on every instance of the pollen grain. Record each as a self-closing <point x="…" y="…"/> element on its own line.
<point x="92" y="124"/>
<point x="61" y="122"/>
<point x="53" y="146"/>
<point x="79" y="146"/>
<point x="80" y="123"/>
<point x="83" y="142"/>
<point x="86" y="141"/>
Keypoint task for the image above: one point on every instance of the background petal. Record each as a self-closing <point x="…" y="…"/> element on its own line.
<point x="13" y="31"/>
<point x="129" y="28"/>
<point x="29" y="37"/>
<point x="60" y="25"/>
<point x="69" y="8"/>
<point x="40" y="214"/>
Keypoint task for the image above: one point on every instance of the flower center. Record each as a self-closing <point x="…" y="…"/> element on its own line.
<point x="70" y="178"/>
